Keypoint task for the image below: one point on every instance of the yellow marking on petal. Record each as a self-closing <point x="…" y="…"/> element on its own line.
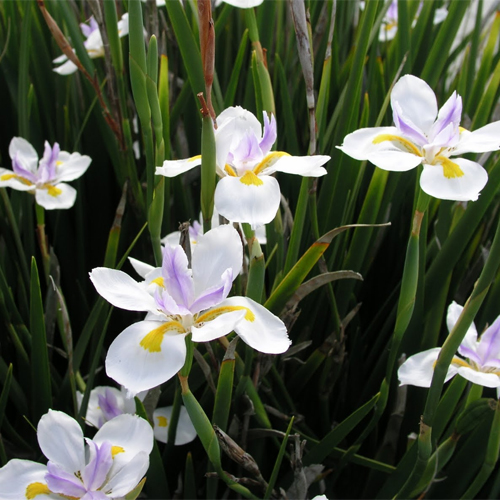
<point x="194" y="158"/>
<point x="6" y="177"/>
<point x="460" y="362"/>
<point x="53" y="191"/>
<point x="159" y="282"/>
<point x="115" y="450"/>
<point x="152" y="341"/>
<point x="269" y="160"/>
<point x="250" y="179"/>
<point x="162" y="421"/>
<point x="450" y="169"/>
<point x="462" y="129"/>
<point x="215" y="313"/>
<point x="230" y="170"/>
<point x="59" y="163"/>
<point x="35" y="489"/>
<point x="408" y="145"/>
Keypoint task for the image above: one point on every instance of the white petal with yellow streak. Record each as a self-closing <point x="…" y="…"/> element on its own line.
<point x="418" y="369"/>
<point x="56" y="197"/>
<point x="216" y="322"/>
<point x="172" y="168"/>
<point x="138" y="368"/>
<point x="382" y="146"/>
<point x="260" y="328"/>
<point x="71" y="166"/>
<point x="9" y="179"/>
<point x="24" y="480"/>
<point x="129" y="435"/>
<point x="456" y="187"/>
<point x="185" y="432"/>
<point x="256" y="203"/>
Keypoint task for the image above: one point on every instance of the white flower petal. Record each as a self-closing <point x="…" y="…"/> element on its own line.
<point x="56" y="197"/>
<point x="17" y="475"/>
<point x="234" y="125"/>
<point x="389" y="154"/>
<point x="417" y="100"/>
<point x="60" y="59"/>
<point x="185" y="432"/>
<point x="418" y="369"/>
<point x="121" y="290"/>
<point x="73" y="167"/>
<point x="307" y="166"/>
<point x="454" y="312"/>
<point x="479" y="378"/>
<point x="252" y="203"/>
<point x="260" y="328"/>
<point x="61" y="440"/>
<point x="24" y="152"/>
<point x="131" y="433"/>
<point x="483" y="139"/>
<point x="463" y="188"/>
<point x="218" y="250"/>
<point x="127" y="478"/>
<point x="242" y="4"/>
<point x="138" y="368"/>
<point x="95" y="415"/>
<point x="172" y="168"/>
<point x="141" y="268"/>
<point x="224" y="322"/>
<point x="67" y="68"/>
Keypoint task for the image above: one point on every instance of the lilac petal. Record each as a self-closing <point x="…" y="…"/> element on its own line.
<point x="47" y="169"/>
<point x="467" y="352"/>
<point x="489" y="343"/>
<point x="448" y="137"/>
<point x="167" y="304"/>
<point x="449" y="114"/>
<point x="215" y="294"/>
<point x="60" y="481"/>
<point x="406" y="126"/>
<point x="247" y="151"/>
<point x="18" y="169"/>
<point x="177" y="277"/>
<point x="109" y="404"/>
<point x="270" y="134"/>
<point x="95" y="495"/>
<point x="97" y="469"/>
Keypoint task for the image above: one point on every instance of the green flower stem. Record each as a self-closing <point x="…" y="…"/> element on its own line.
<point x="208" y="437"/>
<point x="186" y="369"/>
<point x="475" y="392"/>
<point x="43" y="240"/>
<point x="448" y="350"/>
<point x="256" y="271"/>
<point x="490" y="459"/>
<point x="409" y="283"/>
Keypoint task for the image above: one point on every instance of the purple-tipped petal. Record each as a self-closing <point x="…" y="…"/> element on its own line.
<point x="407" y="127"/>
<point x="270" y="134"/>
<point x="489" y="343"/>
<point x="214" y="295"/>
<point x="109" y="404"/>
<point x="449" y="114"/>
<point x="62" y="482"/>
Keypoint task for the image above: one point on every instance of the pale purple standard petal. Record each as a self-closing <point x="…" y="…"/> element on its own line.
<point x="406" y="126"/>
<point x="177" y="278"/>
<point x="467" y="352"/>
<point x="18" y="169"/>
<point x="449" y="114"/>
<point x="47" y="168"/>
<point x="214" y="295"/>
<point x="94" y="474"/>
<point x="489" y="343"/>
<point x="109" y="404"/>
<point x="62" y="482"/>
<point x="270" y="134"/>
<point x="246" y="153"/>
